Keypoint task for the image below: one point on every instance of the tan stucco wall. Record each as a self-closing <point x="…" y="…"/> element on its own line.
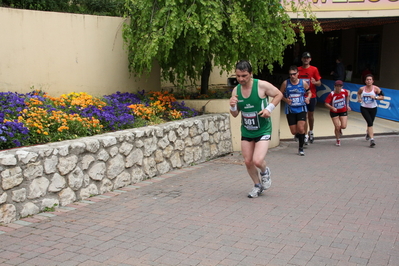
<point x="62" y="53"/>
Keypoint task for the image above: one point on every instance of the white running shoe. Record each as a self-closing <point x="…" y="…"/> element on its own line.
<point x="372" y="143"/>
<point x="306" y="140"/>
<point x="255" y="192"/>
<point x="265" y="178"/>
<point x="311" y="137"/>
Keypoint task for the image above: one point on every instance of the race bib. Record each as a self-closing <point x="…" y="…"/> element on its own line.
<point x="296" y="99"/>
<point x="250" y="120"/>
<point x="368" y="99"/>
<point x="339" y="104"/>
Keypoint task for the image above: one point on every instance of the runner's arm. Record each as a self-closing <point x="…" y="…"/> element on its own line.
<point x="380" y="94"/>
<point x="282" y="89"/>
<point x="347" y="101"/>
<point x="359" y="95"/>
<point x="268" y="90"/>
<point x="308" y="92"/>
<point x="234" y="111"/>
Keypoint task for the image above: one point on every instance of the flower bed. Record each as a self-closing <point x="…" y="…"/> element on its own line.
<point x="37" y="118"/>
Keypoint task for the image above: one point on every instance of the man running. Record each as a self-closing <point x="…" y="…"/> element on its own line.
<point x="311" y="75"/>
<point x="250" y="97"/>
<point x="296" y="96"/>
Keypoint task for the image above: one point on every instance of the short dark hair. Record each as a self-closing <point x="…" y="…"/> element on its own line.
<point x="244" y="65"/>
<point x="293" y="67"/>
<point x="369" y="75"/>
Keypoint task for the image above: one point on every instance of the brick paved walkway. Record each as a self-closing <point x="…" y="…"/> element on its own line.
<point x="335" y="206"/>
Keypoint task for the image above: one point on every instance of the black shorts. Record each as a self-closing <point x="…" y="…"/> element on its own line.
<point x="264" y="137"/>
<point x="312" y="104"/>
<point x="294" y="118"/>
<point x="338" y="114"/>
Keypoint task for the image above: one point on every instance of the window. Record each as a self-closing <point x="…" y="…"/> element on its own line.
<point x="331" y="51"/>
<point x="368" y="51"/>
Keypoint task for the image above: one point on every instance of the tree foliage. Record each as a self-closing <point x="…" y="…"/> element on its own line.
<point x="186" y="36"/>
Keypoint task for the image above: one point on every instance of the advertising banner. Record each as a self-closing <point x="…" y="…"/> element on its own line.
<point x="387" y="108"/>
<point x="349" y="5"/>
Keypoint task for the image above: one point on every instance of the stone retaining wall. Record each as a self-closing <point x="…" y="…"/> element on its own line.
<point x="57" y="174"/>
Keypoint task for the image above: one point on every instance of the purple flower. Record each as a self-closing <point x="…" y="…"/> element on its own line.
<point x="12" y="104"/>
<point x="185" y="110"/>
<point x="111" y="117"/>
<point x="13" y="134"/>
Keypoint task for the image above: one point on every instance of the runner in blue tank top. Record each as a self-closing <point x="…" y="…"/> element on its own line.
<point x="296" y="96"/>
<point x="250" y="98"/>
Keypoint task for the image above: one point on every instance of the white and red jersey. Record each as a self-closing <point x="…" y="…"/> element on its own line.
<point x="338" y="100"/>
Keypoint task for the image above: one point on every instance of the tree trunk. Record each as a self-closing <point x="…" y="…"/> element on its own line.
<point x="206" y="72"/>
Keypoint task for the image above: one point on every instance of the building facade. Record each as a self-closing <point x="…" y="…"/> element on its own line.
<point x="361" y="32"/>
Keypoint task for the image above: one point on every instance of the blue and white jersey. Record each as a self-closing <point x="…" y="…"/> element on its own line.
<point x="296" y="93"/>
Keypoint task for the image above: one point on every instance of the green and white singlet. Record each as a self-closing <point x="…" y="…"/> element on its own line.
<point x="253" y="125"/>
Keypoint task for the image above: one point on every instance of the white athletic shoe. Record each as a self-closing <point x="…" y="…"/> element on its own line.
<point x="372" y="143"/>
<point x="255" y="192"/>
<point x="311" y="137"/>
<point x="265" y="178"/>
